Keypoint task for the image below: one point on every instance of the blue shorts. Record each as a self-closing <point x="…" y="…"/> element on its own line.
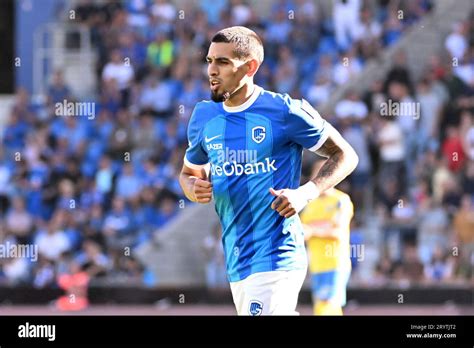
<point x="330" y="286"/>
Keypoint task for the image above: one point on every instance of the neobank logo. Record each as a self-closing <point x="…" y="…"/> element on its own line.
<point x="235" y="168"/>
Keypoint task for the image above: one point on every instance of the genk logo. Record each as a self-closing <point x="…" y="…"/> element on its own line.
<point x="258" y="134"/>
<point x="255" y="308"/>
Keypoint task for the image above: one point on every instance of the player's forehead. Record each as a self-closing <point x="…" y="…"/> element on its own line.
<point x="221" y="50"/>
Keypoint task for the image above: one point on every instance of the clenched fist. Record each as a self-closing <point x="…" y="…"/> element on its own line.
<point x="290" y="202"/>
<point x="202" y="191"/>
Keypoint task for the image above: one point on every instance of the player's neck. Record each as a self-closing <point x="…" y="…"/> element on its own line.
<point x="241" y="96"/>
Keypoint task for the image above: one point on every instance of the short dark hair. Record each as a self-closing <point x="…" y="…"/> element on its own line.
<point x="247" y="43"/>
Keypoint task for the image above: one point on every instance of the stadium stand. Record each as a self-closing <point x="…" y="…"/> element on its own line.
<point x="102" y="191"/>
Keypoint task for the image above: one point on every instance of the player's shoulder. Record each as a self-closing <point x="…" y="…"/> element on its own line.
<point x="289" y="105"/>
<point x="206" y="105"/>
<point x="282" y="100"/>
<point x="204" y="109"/>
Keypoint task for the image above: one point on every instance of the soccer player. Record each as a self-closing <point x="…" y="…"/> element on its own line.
<point x="326" y="221"/>
<point x="245" y="151"/>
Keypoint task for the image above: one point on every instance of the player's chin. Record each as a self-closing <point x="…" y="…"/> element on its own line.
<point x="217" y="97"/>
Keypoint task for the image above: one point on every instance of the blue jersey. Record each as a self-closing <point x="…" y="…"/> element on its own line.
<point x="250" y="148"/>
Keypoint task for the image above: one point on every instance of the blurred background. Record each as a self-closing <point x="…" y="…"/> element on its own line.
<point x="96" y="190"/>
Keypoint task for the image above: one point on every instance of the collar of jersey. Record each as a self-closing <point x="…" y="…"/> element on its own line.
<point x="247" y="104"/>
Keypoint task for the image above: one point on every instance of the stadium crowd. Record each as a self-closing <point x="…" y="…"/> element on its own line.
<point x="88" y="190"/>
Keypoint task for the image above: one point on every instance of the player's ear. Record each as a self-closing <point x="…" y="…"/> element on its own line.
<point x="252" y="67"/>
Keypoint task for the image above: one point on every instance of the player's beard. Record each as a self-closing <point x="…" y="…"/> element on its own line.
<point x="219" y="97"/>
<point x="222" y="97"/>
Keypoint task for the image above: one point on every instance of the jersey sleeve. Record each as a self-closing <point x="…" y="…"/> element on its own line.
<point x="305" y="126"/>
<point x="196" y="156"/>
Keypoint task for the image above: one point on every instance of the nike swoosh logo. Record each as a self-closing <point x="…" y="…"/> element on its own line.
<point x="210" y="139"/>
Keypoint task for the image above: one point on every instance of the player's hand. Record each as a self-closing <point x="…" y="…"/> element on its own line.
<point x="289" y="202"/>
<point x="202" y="191"/>
<point x="284" y="202"/>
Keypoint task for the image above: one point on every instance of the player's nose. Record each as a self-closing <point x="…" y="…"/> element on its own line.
<point x="212" y="70"/>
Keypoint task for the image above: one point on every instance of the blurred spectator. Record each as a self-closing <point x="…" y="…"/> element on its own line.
<point x="348" y="67"/>
<point x="52" y="241"/>
<point x="351" y="107"/>
<point x="441" y="179"/>
<point x="5" y="177"/>
<point x="164" y="10"/>
<point x="58" y="91"/>
<point x="407" y="117"/>
<point x="463" y="223"/>
<point x="44" y="274"/>
<point x="456" y="42"/>
<point x="166" y="211"/>
<point x="286" y="73"/>
<point x="15" y="271"/>
<point x="399" y="72"/>
<point x="127" y="270"/>
<point x="133" y="50"/>
<point x="430" y="112"/>
<point x="440" y="268"/>
<point x="121" y="138"/>
<point x="75" y="283"/>
<point x="392" y="151"/>
<point x="160" y="53"/>
<point x="117" y="69"/>
<point x="409" y="270"/>
<point x="92" y="260"/>
<point x="15" y="133"/>
<point x="319" y="91"/>
<point x="119" y="226"/>
<point x="138" y="12"/>
<point x="355" y="134"/>
<point x="368" y="34"/>
<point x="453" y="150"/>
<point x="85" y="9"/>
<point x="18" y="221"/>
<point x="144" y="136"/>
<point x="128" y="184"/>
<point x="156" y="97"/>
<point x="469" y="143"/>
<point x="432" y="230"/>
<point x="346" y="20"/>
<point x="467" y="179"/>
<point x="401" y="228"/>
<point x="241" y="12"/>
<point x="393" y="28"/>
<point x="104" y="179"/>
<point x="383" y="271"/>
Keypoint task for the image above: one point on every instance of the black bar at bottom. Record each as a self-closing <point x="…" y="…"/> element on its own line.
<point x="451" y="331"/>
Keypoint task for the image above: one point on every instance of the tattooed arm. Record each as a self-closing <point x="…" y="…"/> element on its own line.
<point x="341" y="161"/>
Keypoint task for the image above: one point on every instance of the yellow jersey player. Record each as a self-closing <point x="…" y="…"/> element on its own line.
<point x="326" y="222"/>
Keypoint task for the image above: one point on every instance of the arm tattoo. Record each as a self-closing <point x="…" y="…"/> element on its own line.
<point x="337" y="166"/>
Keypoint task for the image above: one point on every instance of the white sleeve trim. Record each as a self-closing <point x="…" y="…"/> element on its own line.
<point x="321" y="140"/>
<point x="195" y="166"/>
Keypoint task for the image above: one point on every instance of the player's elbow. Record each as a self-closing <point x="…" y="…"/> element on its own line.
<point x="351" y="157"/>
